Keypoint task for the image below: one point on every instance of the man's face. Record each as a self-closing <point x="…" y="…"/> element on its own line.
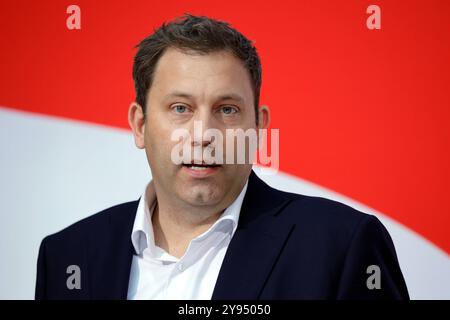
<point x="214" y="89"/>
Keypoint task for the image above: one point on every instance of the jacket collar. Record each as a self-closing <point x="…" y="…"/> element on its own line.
<point x="251" y="254"/>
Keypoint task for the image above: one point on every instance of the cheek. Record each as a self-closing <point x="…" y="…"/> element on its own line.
<point x="158" y="143"/>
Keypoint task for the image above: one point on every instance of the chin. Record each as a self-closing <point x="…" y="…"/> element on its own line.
<point x="202" y="196"/>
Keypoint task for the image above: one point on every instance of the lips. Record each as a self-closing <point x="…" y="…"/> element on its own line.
<point x="200" y="166"/>
<point x="201" y="169"/>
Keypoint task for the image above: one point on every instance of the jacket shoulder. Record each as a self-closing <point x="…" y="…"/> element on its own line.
<point x="310" y="212"/>
<point x="323" y="215"/>
<point x="76" y="246"/>
<point x="94" y="224"/>
<point x="343" y="243"/>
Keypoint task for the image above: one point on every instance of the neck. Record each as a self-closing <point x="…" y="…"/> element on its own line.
<point x="174" y="229"/>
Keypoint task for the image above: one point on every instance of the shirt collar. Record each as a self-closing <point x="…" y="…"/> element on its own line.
<point x="142" y="235"/>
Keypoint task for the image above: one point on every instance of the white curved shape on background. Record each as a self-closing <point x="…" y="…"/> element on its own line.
<point x="55" y="172"/>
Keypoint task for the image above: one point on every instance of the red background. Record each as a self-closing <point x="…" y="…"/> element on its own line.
<point x="362" y="112"/>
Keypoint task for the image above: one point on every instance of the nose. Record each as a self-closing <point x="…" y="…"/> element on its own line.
<point x="202" y="122"/>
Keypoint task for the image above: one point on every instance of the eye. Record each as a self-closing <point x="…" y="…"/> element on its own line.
<point x="179" y="108"/>
<point x="228" y="109"/>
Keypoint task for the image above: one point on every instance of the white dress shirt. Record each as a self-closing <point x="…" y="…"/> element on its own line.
<point x="155" y="274"/>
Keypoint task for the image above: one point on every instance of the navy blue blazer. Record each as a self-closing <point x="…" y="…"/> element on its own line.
<point x="286" y="246"/>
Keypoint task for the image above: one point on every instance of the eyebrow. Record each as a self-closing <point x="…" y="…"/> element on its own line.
<point x="230" y="96"/>
<point x="227" y="96"/>
<point x="178" y="94"/>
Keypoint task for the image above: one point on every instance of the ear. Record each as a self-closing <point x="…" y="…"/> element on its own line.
<point x="136" y="120"/>
<point x="263" y="117"/>
<point x="263" y="123"/>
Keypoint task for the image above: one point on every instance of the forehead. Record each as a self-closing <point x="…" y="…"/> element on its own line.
<point x="201" y="74"/>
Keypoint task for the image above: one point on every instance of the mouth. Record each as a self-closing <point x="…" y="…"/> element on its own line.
<point x="200" y="169"/>
<point x="200" y="166"/>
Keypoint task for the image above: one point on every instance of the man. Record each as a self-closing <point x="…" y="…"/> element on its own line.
<point x="213" y="230"/>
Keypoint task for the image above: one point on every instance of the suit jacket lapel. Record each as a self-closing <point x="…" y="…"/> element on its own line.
<point x="256" y="244"/>
<point x="110" y="256"/>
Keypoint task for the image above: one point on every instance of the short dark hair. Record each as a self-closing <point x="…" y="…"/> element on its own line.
<point x="198" y="34"/>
